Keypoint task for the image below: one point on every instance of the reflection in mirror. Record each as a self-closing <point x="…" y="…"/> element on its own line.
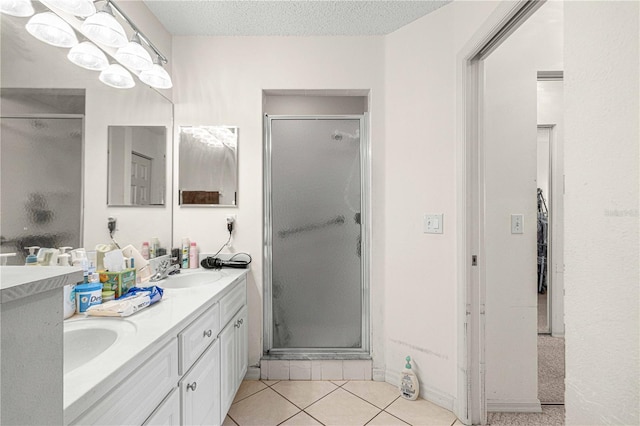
<point x="208" y="165"/>
<point x="137" y="165"/>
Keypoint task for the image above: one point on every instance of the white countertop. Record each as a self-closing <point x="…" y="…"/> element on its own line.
<point x="17" y="282"/>
<point x="145" y="332"/>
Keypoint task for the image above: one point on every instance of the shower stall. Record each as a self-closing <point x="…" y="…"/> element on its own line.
<point x="316" y="281"/>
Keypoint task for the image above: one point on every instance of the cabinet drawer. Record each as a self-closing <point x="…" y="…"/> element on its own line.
<point x="198" y="336"/>
<point x="232" y="302"/>
<point x="135" y="398"/>
<point x="168" y="413"/>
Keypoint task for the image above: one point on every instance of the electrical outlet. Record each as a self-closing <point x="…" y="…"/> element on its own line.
<point x="231" y="222"/>
<point x="111" y="224"/>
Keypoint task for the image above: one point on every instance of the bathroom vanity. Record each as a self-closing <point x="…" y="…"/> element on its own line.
<point x="177" y="362"/>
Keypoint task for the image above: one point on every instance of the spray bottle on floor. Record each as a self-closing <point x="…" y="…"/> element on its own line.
<point x="409" y="386"/>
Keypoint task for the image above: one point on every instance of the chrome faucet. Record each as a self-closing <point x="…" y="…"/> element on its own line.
<point x="165" y="268"/>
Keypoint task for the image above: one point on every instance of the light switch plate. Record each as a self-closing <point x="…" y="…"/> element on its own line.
<point x="433" y="223"/>
<point x="517" y="224"/>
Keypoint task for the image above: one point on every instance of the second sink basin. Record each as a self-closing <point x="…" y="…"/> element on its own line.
<point x="191" y="279"/>
<point x="85" y="339"/>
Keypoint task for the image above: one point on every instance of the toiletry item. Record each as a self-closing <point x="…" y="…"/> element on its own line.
<point x="69" y="300"/>
<point x="108" y="295"/>
<point x="63" y="259"/>
<point x="141" y="265"/>
<point x="120" y="282"/>
<point x="193" y="255"/>
<point x="88" y="295"/>
<point x="185" y="253"/>
<point x="153" y="248"/>
<point x="32" y="259"/>
<point x="145" y="250"/>
<point x="409" y="385"/>
<point x="114" y="261"/>
<point x="135" y="300"/>
<point x="101" y="251"/>
<point x="48" y="257"/>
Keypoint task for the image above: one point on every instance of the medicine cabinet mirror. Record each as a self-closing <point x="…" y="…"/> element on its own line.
<point x="208" y="166"/>
<point x="137" y="165"/>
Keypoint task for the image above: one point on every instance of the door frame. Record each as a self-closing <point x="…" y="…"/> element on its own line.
<point x="471" y="406"/>
<point x="364" y="352"/>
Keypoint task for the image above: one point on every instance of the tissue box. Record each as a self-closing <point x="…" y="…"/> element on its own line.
<point x="120" y="282"/>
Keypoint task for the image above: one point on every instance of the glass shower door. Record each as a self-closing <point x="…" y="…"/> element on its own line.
<point x="314" y="238"/>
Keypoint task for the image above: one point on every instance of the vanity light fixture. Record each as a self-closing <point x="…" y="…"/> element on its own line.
<point x="103" y="27"/>
<point x="134" y="56"/>
<point x="156" y="76"/>
<point x="19" y="8"/>
<point x="82" y="8"/>
<point x="117" y="76"/>
<point x="88" y="55"/>
<point x="52" y="29"/>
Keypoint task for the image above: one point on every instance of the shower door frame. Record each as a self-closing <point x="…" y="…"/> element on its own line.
<point x="363" y="352"/>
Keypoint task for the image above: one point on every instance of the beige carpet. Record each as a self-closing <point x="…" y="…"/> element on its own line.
<point x="550" y="369"/>
<point x="551" y="415"/>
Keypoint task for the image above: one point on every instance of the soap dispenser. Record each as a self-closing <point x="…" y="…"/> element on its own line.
<point x="409" y="385"/>
<point x="32" y="259"/>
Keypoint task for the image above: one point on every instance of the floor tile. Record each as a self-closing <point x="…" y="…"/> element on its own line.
<point x="279" y="370"/>
<point x="342" y="408"/>
<point x="229" y="422"/>
<point x="269" y="382"/>
<point x="458" y="423"/>
<point x="265" y="408"/>
<point x="338" y="382"/>
<point x="379" y="394"/>
<point x="303" y="393"/>
<point x="386" y="419"/>
<point x="420" y="412"/>
<point x="300" y="370"/>
<point x="248" y="388"/>
<point x="359" y="369"/>
<point x="301" y="419"/>
<point x="331" y="370"/>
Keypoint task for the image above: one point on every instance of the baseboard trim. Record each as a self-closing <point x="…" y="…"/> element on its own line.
<point x="378" y="375"/>
<point x="514" y="406"/>
<point x="253" y="373"/>
<point x="436" y="396"/>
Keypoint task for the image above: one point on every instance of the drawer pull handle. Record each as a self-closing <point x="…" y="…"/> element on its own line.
<point x="208" y="333"/>
<point x="192" y="386"/>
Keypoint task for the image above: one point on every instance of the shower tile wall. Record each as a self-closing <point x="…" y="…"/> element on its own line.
<point x="316" y="370"/>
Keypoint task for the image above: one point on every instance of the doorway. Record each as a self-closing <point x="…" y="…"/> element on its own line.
<point x="316" y="244"/>
<point x="498" y="287"/>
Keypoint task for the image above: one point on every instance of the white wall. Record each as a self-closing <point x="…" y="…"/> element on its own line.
<point x="420" y="177"/>
<point x="220" y="81"/>
<point x="601" y="231"/>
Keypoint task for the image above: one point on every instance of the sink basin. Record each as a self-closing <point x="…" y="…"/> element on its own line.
<point x="194" y="279"/>
<point x="85" y="339"/>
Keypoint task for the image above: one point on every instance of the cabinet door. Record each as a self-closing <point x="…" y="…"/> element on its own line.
<point x="228" y="365"/>
<point x="200" y="389"/>
<point x="242" y="346"/>
<point x="168" y="413"/>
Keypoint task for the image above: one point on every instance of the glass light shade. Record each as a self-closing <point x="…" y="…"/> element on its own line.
<point x="103" y="28"/>
<point x="51" y="29"/>
<point x="116" y="76"/>
<point x="74" y="7"/>
<point x="134" y="56"/>
<point x="157" y="77"/>
<point x="19" y="8"/>
<point x="88" y="55"/>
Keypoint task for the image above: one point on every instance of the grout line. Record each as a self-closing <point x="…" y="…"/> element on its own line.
<point x="313" y="417"/>
<point x="242" y="399"/>
<point x="236" y="423"/>
<point x="402" y="420"/>
<point x="288" y="418"/>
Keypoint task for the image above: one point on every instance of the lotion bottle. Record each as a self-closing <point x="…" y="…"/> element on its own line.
<point x="32" y="259"/>
<point x="185" y="253"/>
<point x="193" y="255"/>
<point x="409" y="385"/>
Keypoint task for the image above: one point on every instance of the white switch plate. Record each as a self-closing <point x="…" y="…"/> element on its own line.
<point x="433" y="223"/>
<point x="517" y="224"/>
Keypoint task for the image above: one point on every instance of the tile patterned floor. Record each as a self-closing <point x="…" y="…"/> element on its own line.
<point x="330" y="403"/>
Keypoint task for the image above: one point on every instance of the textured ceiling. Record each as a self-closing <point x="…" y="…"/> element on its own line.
<point x="288" y="17"/>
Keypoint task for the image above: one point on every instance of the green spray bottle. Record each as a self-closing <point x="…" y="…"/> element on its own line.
<point x="409" y="385"/>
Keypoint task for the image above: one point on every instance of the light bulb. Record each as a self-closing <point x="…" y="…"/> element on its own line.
<point x="103" y="27"/>
<point x="51" y="29"/>
<point x="156" y="76"/>
<point x="19" y="8"/>
<point x="116" y="76"/>
<point x="88" y="55"/>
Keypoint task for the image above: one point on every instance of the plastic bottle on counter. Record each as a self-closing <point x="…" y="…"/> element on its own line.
<point x="69" y="300"/>
<point x="193" y="255"/>
<point x="185" y="253"/>
<point x="145" y="250"/>
<point x="153" y="248"/>
<point x="32" y="259"/>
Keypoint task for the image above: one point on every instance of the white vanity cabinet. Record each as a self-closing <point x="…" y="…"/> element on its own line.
<point x="234" y="350"/>
<point x="200" y="389"/>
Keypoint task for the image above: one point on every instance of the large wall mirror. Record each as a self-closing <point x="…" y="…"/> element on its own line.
<point x="137" y="165"/>
<point x="208" y="166"/>
<point x="54" y="183"/>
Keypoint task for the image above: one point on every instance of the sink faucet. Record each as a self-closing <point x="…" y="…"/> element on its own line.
<point x="165" y="268"/>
